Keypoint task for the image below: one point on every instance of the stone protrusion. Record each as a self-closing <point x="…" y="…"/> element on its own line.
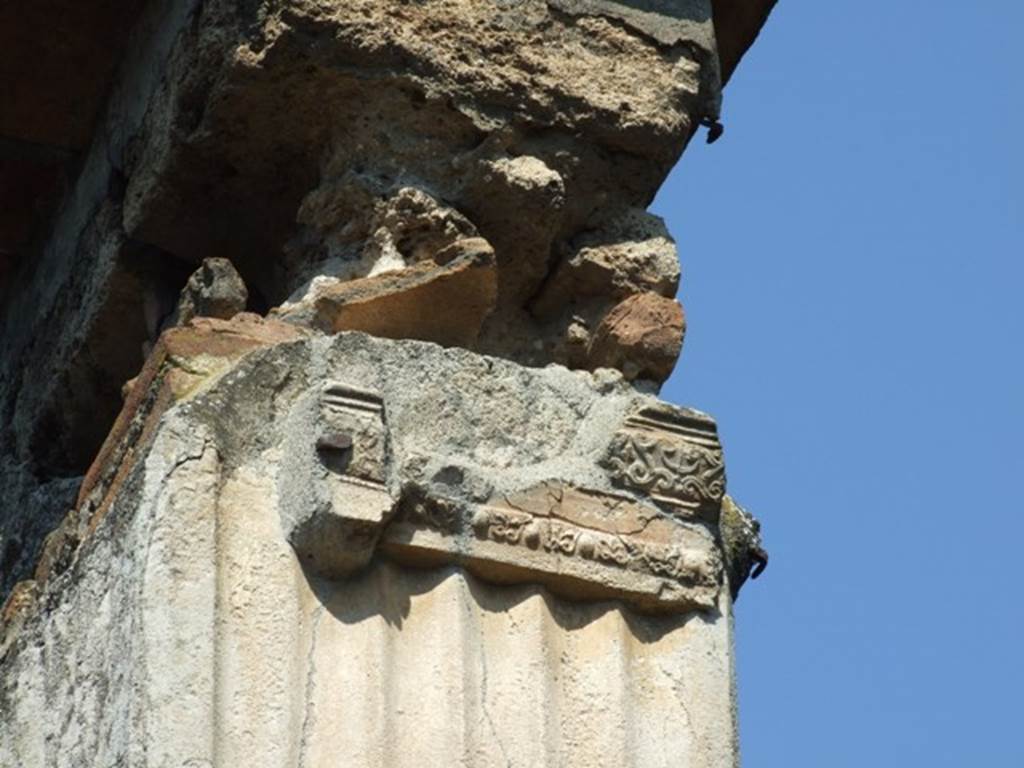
<point x="519" y="203"/>
<point x="629" y="252"/>
<point x="335" y="505"/>
<point x="745" y="556"/>
<point x="642" y="336"/>
<point x="445" y="299"/>
<point x="214" y="290"/>
<point x="577" y="542"/>
<point x="356" y="226"/>
<point x="673" y="456"/>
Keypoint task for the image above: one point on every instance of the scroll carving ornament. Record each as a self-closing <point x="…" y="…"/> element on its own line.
<point x="666" y="468"/>
<point x="521" y="530"/>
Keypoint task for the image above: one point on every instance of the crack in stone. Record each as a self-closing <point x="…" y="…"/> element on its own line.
<point x="485" y="711"/>
<point x="679" y="691"/>
<point x="309" y="716"/>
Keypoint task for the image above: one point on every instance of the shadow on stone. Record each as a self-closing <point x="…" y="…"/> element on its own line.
<point x="387" y="589"/>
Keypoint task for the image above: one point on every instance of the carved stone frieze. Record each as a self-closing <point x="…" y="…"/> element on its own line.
<point x="398" y="473"/>
<point x="353" y="443"/>
<point x="582" y="542"/>
<point x="671" y="454"/>
<point x="338" y="503"/>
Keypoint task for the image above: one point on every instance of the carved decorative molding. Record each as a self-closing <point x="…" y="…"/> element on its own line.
<point x="578" y="542"/>
<point x="336" y="522"/>
<point x="670" y="454"/>
<point x="354" y="442"/>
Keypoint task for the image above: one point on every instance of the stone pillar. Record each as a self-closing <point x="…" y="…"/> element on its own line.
<point x="352" y="551"/>
<point x="420" y="504"/>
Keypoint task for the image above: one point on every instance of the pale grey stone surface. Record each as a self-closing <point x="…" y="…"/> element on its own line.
<point x="451" y="424"/>
<point x="187" y="631"/>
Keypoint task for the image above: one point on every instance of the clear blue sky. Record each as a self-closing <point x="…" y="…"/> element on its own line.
<point x="853" y="275"/>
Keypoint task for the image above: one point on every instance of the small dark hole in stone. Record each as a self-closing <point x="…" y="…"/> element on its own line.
<point x="449" y="476"/>
<point x="335" y="449"/>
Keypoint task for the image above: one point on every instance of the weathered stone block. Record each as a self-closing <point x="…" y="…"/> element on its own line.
<point x="300" y="546"/>
<point x="336" y="502"/>
<point x="445" y="299"/>
<point x="642" y="336"/>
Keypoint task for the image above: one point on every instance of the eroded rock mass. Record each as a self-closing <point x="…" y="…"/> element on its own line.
<point x="354" y="311"/>
<point x="351" y="140"/>
<point x="334" y="153"/>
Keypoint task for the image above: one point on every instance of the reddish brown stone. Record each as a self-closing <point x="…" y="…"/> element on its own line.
<point x="21" y="598"/>
<point x="162" y="382"/>
<point x="17" y="609"/>
<point x="228" y="338"/>
<point x="445" y="300"/>
<point x="642" y="336"/>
